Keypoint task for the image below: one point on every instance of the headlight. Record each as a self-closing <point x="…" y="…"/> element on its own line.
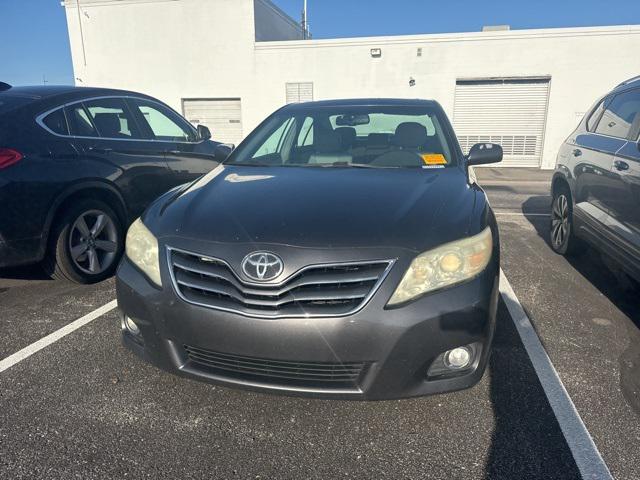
<point x="142" y="249"/>
<point x="443" y="266"/>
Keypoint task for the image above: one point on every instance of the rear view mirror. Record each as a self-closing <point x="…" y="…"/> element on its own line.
<point x="484" y="153"/>
<point x="222" y="151"/>
<point x="203" y="132"/>
<point x="352" y="120"/>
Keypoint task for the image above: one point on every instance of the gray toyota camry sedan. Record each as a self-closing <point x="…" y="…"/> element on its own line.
<point x="343" y="250"/>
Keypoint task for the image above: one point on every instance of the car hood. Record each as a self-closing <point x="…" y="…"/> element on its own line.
<point x="320" y="207"/>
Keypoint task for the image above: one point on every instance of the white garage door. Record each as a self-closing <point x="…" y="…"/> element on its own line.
<point x="222" y="116"/>
<point x="510" y="112"/>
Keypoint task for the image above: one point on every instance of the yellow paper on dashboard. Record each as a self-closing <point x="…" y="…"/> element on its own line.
<point x="433" y="159"/>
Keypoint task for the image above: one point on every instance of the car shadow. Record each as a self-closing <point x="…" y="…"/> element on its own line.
<point x="620" y="290"/>
<point x="527" y="441"/>
<point x="30" y="272"/>
<point x="602" y="273"/>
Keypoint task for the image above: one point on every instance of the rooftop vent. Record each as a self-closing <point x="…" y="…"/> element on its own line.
<point x="496" y="28"/>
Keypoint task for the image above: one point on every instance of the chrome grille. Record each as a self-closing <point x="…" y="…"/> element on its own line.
<point x="303" y="374"/>
<point x="324" y="290"/>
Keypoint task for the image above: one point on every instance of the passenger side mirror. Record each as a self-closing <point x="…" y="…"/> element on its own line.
<point x="222" y="151"/>
<point x="484" y="153"/>
<point x="203" y="132"/>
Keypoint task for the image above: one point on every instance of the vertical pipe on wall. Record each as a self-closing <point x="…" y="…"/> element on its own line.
<point x="84" y="55"/>
<point x="305" y="26"/>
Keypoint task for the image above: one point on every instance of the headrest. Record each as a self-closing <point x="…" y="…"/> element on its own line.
<point x="348" y="136"/>
<point x="328" y="142"/>
<point x="108" y="124"/>
<point x="410" y="135"/>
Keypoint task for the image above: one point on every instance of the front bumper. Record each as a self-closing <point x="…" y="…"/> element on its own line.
<point x="394" y="347"/>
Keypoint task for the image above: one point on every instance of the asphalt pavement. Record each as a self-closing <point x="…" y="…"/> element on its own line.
<point x="84" y="407"/>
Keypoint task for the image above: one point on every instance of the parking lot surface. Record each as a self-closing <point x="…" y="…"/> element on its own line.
<point x="84" y="407"/>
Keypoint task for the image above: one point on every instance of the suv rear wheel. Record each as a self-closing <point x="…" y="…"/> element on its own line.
<point x="85" y="244"/>
<point x="563" y="240"/>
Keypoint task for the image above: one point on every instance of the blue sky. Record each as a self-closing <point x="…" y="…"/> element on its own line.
<point x="35" y="41"/>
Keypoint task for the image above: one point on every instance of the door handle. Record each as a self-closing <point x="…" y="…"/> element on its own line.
<point x="100" y="150"/>
<point x="577" y="152"/>
<point x="620" y="165"/>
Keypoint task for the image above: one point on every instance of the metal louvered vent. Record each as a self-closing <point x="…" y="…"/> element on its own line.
<point x="299" y="92"/>
<point x="510" y="112"/>
<point x="318" y="290"/>
<point x="302" y="374"/>
<point x="512" y="145"/>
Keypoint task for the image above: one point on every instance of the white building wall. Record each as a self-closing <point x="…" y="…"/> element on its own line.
<point x="583" y="64"/>
<point x="176" y="49"/>
<point x="170" y="49"/>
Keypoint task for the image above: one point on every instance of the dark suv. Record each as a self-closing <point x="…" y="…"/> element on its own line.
<point x="596" y="186"/>
<point x="77" y="165"/>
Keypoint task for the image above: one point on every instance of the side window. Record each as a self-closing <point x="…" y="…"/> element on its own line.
<point x="162" y="123"/>
<point x="111" y="118"/>
<point x="595" y="116"/>
<point x="56" y="122"/>
<point x="79" y="123"/>
<point x="620" y="114"/>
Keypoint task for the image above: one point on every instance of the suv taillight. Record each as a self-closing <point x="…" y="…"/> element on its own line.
<point x="8" y="157"/>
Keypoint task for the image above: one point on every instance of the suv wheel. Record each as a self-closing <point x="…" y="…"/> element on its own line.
<point x="563" y="241"/>
<point x="86" y="244"/>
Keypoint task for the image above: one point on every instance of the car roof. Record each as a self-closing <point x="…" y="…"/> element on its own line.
<point x="363" y="102"/>
<point x="630" y="83"/>
<point x="64" y="93"/>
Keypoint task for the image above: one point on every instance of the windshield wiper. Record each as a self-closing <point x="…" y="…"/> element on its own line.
<point x="360" y="165"/>
<point x="338" y="165"/>
<point x="247" y="164"/>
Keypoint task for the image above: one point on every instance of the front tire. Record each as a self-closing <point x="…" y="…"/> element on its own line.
<point x="562" y="238"/>
<point x="86" y="243"/>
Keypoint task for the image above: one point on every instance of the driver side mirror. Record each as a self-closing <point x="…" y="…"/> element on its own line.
<point x="222" y="151"/>
<point x="484" y="153"/>
<point x="203" y="132"/>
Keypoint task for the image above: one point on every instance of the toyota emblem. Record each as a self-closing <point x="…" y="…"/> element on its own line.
<point x="262" y="266"/>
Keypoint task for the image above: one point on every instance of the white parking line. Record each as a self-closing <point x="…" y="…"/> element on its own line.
<point x="521" y="214"/>
<point x="26" y="352"/>
<point x="583" y="449"/>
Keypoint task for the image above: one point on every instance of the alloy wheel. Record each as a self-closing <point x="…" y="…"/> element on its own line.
<point x="560" y="221"/>
<point x="93" y="242"/>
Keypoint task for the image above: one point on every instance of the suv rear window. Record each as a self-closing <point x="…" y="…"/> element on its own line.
<point x="111" y="118"/>
<point x="620" y="114"/>
<point x="79" y="121"/>
<point x="56" y="122"/>
<point x="595" y="115"/>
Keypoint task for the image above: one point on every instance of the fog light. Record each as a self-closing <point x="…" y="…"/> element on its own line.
<point x="455" y="362"/>
<point x="458" y="358"/>
<point x="131" y="326"/>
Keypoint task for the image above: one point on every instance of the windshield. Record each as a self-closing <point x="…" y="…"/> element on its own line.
<point x="372" y="137"/>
